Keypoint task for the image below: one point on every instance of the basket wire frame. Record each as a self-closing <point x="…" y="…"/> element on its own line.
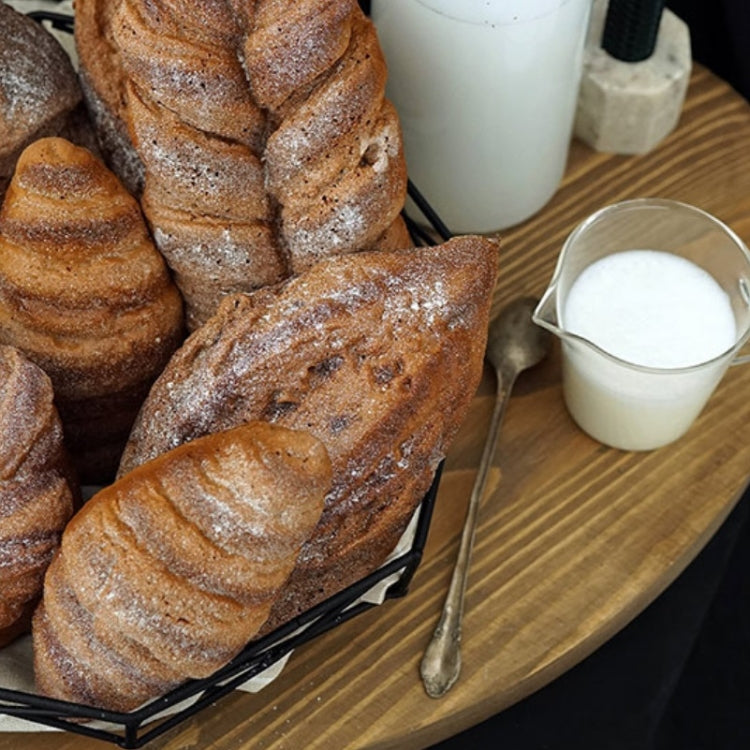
<point x="59" y="21"/>
<point x="136" y="728"/>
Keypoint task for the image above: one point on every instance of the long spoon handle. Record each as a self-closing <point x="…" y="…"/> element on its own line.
<point x="441" y="662"/>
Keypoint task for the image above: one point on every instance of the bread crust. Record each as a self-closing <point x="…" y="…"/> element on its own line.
<point x="166" y="574"/>
<point x="377" y="354"/>
<point x="85" y="294"/>
<point x="38" y="489"/>
<point x="265" y="118"/>
<point x="39" y="91"/>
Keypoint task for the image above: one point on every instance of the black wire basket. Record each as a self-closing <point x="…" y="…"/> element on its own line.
<point x="136" y="728"/>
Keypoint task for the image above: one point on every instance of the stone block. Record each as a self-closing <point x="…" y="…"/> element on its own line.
<point x="630" y="107"/>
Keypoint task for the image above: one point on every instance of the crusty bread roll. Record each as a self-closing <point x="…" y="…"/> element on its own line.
<point x="377" y="354"/>
<point x="85" y="294"/>
<point x="262" y="127"/>
<point x="38" y="489"/>
<point x="169" y="572"/>
<point x="39" y="91"/>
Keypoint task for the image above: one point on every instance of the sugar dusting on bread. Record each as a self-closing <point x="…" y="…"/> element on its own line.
<point x="300" y="86"/>
<point x="33" y="74"/>
<point x="85" y="294"/>
<point x="166" y="574"/>
<point x="39" y="91"/>
<point x="37" y="488"/>
<point x="377" y="354"/>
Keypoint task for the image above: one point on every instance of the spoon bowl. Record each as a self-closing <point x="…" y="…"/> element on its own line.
<point x="514" y="342"/>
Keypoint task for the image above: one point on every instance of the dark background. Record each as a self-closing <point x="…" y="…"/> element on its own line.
<point x="720" y="37"/>
<point x="678" y="677"/>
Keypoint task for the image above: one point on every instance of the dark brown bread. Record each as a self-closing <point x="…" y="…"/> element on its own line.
<point x="39" y="91"/>
<point x="263" y="129"/>
<point x="166" y="574"/>
<point x="85" y="294"/>
<point x="37" y="488"/>
<point x="377" y="354"/>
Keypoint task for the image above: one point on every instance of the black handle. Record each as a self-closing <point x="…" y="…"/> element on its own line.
<point x="631" y="27"/>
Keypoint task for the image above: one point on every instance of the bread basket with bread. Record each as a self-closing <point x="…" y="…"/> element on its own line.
<point x="243" y="347"/>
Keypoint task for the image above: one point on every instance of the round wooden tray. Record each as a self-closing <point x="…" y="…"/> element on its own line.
<point x="574" y="539"/>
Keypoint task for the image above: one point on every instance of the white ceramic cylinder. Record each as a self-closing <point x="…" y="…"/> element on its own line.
<point x="486" y="91"/>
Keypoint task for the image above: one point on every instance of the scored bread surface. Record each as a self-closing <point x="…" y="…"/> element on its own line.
<point x="377" y="354"/>
<point x="167" y="573"/>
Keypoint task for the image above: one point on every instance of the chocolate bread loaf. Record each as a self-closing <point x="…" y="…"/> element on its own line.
<point x="262" y="127"/>
<point x="85" y="294"/>
<point x="377" y="354"/>
<point x="38" y="489"/>
<point x="166" y="574"/>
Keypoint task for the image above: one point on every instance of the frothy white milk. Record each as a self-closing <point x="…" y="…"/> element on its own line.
<point x="654" y="310"/>
<point x="651" y="308"/>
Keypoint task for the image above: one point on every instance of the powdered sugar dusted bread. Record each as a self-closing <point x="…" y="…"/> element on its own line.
<point x="37" y="488"/>
<point x="85" y="294"/>
<point x="39" y="91"/>
<point x="377" y="354"/>
<point x="262" y="127"/>
<point x="166" y="574"/>
<point x="103" y="86"/>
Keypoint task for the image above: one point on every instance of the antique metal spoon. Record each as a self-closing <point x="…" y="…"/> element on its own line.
<point x="514" y="344"/>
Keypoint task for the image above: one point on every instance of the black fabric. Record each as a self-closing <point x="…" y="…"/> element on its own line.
<point x="720" y="37"/>
<point x="709" y="707"/>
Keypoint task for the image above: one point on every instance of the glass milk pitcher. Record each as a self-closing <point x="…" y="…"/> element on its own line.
<point x="625" y="405"/>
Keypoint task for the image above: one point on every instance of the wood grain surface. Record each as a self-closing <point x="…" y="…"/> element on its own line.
<point x="574" y="539"/>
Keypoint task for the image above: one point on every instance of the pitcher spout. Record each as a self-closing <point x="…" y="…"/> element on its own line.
<point x="545" y="313"/>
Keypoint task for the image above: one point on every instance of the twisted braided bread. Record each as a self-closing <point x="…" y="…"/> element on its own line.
<point x="263" y="131"/>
